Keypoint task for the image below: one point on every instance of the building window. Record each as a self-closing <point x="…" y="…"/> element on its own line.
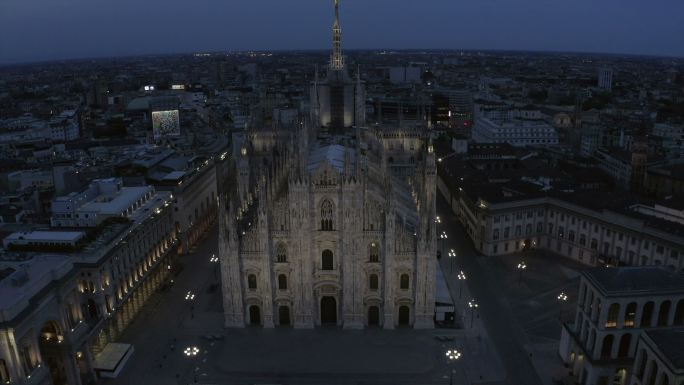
<point x="374" y="252"/>
<point x="373" y="282"/>
<point x="664" y="313"/>
<point x="252" y="282"/>
<point x="327" y="260"/>
<point x="281" y="253"/>
<point x="571" y="236"/>
<point x="613" y="312"/>
<point x="506" y="232"/>
<point x="404" y="282"/>
<point x="607" y="346"/>
<point x="630" y="315"/>
<point x="327" y="216"/>
<point x="282" y="282"/>
<point x="496" y="234"/>
<point x="647" y="315"/>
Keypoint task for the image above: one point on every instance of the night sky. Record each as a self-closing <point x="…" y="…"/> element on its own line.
<point x="32" y="30"/>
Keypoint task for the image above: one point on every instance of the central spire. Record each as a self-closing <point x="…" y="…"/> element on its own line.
<point x="336" y="58"/>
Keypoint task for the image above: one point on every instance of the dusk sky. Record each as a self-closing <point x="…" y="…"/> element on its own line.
<point x="33" y="30"/>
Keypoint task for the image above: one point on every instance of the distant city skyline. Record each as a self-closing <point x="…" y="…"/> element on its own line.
<point x="39" y="30"/>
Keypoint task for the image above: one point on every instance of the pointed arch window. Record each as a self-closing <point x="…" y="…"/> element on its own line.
<point x="327" y="215"/>
<point x="327" y="260"/>
<point x="373" y="282"/>
<point x="404" y="282"/>
<point x="281" y="253"/>
<point x="282" y="282"/>
<point x="374" y="252"/>
<point x="251" y="282"/>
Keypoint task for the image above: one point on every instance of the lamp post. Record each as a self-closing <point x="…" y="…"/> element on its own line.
<point x="562" y="297"/>
<point x="472" y="304"/>
<point x="443" y="236"/>
<point x="521" y="266"/>
<point x="461" y="278"/>
<point x="191" y="352"/>
<point x="214" y="259"/>
<point x="190" y="297"/>
<point x="452" y="355"/>
<point x="452" y="256"/>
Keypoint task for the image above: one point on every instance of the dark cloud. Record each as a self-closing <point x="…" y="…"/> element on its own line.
<point x="48" y="29"/>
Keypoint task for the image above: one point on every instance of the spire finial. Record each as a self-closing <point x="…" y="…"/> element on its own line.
<point x="336" y="58"/>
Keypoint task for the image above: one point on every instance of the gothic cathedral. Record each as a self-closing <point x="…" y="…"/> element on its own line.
<point x="331" y="221"/>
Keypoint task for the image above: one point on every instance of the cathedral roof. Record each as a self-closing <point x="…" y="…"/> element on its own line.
<point x="332" y="153"/>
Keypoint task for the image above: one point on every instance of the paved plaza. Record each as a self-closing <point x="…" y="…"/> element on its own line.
<point x="511" y="338"/>
<point x="169" y="324"/>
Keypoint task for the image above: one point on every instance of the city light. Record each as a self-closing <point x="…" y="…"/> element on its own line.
<point x="453" y="355"/>
<point x="213" y="258"/>
<point x="190" y="296"/>
<point x="562" y="296"/>
<point x="191" y="351"/>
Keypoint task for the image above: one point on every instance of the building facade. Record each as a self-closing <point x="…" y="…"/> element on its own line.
<point x="330" y="226"/>
<point x="615" y="306"/>
<point x="659" y="358"/>
<point x="60" y="311"/>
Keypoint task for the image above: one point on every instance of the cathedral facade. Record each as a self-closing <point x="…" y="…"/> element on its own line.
<point x="330" y="224"/>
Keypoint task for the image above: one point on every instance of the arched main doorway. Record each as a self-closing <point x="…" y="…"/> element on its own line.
<point x="49" y="344"/>
<point x="328" y="311"/>
<point x="254" y="315"/>
<point x="284" y="315"/>
<point x="373" y="316"/>
<point x="404" y="316"/>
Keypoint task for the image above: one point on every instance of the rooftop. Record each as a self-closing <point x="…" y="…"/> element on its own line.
<point x="670" y="343"/>
<point x="647" y="280"/>
<point x="46" y="236"/>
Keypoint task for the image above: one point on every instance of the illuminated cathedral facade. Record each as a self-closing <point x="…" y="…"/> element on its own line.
<point x="330" y="222"/>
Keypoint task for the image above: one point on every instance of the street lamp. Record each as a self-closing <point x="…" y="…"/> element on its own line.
<point x="443" y="236"/>
<point x="562" y="297"/>
<point x="452" y="357"/>
<point x="472" y="304"/>
<point x="191" y="351"/>
<point x="521" y="266"/>
<point x="438" y="219"/>
<point x="214" y="259"/>
<point x="461" y="278"/>
<point x="190" y="297"/>
<point x="452" y="255"/>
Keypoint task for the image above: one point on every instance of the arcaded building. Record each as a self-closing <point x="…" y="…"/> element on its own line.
<point x="330" y="223"/>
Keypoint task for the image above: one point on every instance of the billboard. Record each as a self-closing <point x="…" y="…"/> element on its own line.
<point x="165" y="123"/>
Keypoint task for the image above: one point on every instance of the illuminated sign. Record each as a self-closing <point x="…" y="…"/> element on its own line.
<point x="178" y="87"/>
<point x="165" y="123"/>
